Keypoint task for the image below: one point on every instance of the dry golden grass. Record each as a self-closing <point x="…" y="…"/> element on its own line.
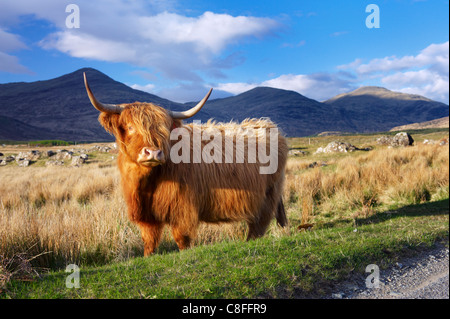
<point x="77" y="215"/>
<point x="361" y="182"/>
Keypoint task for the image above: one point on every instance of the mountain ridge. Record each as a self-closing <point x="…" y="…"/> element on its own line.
<point x="60" y="109"/>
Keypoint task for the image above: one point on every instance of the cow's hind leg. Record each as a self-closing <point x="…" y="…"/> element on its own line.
<point x="151" y="235"/>
<point x="183" y="237"/>
<point x="258" y="227"/>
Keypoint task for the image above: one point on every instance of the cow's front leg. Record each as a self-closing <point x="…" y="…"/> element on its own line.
<point x="151" y="235"/>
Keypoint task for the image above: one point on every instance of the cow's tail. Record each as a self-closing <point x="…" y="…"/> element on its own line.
<point x="281" y="214"/>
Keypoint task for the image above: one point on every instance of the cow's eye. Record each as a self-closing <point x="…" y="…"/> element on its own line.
<point x="130" y="129"/>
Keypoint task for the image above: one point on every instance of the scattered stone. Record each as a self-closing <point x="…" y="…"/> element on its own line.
<point x="54" y="163"/>
<point x="295" y="152"/>
<point x="400" y="139"/>
<point x="23" y="162"/>
<point x="30" y="156"/>
<point x="337" y="146"/>
<point x="9" y="158"/>
<point x="98" y="148"/>
<point x="315" y="164"/>
<point x="79" y="160"/>
<point x="62" y="155"/>
<point x="338" y="295"/>
<point x="50" y="153"/>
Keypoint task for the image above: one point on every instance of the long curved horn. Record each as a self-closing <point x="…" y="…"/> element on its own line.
<point x="108" y="108"/>
<point x="191" y="112"/>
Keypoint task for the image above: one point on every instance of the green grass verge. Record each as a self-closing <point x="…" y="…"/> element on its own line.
<point x="304" y="264"/>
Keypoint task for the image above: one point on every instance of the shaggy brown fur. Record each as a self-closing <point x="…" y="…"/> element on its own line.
<point x="183" y="195"/>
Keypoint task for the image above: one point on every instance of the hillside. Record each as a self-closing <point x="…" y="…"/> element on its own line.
<point x="375" y="109"/>
<point x="437" y="123"/>
<point x="11" y="129"/>
<point x="296" y="114"/>
<point x="60" y="109"/>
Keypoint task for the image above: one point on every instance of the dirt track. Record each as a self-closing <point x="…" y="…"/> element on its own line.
<point x="422" y="277"/>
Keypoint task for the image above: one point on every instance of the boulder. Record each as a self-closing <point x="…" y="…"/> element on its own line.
<point x="30" y="156"/>
<point x="50" y="153"/>
<point x="337" y="146"/>
<point x="62" y="155"/>
<point x="23" y="162"/>
<point x="315" y="164"/>
<point x="400" y="139"/>
<point x="10" y="158"/>
<point x="54" y="163"/>
<point x="295" y="152"/>
<point x="79" y="160"/>
<point x="98" y="148"/>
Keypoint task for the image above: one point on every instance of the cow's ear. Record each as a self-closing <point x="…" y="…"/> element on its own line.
<point x="110" y="121"/>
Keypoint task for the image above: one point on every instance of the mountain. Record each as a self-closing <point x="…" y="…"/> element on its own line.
<point x="372" y="109"/>
<point x="295" y="114"/>
<point x="60" y="109"/>
<point x="437" y="123"/>
<point x="11" y="129"/>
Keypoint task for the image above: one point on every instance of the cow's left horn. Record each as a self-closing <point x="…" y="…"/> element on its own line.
<point x="191" y="112"/>
<point x="108" y="108"/>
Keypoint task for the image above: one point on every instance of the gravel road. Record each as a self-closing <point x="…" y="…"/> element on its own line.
<point x="422" y="277"/>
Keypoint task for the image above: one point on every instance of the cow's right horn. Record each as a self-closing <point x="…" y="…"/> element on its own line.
<point x="108" y="108"/>
<point x="191" y="112"/>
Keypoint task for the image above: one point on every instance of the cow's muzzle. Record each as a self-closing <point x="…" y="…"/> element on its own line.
<point x="150" y="157"/>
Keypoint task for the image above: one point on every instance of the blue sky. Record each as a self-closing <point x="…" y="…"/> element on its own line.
<point x="179" y="49"/>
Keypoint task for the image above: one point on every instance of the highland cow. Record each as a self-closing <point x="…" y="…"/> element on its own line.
<point x="229" y="187"/>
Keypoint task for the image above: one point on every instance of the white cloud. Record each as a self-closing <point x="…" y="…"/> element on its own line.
<point x="82" y="45"/>
<point x="210" y="31"/>
<point x="318" y="86"/>
<point x="235" y="88"/>
<point x="426" y="73"/>
<point x="435" y="55"/>
<point x="423" y="82"/>
<point x="10" y="42"/>
<point x="178" y="46"/>
<point x="338" y="33"/>
<point x="147" y="34"/>
<point x="146" y="88"/>
<point x="8" y="63"/>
